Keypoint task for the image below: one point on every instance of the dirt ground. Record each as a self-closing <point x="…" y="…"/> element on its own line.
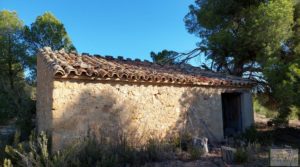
<point x="261" y="119"/>
<point x="287" y="136"/>
<point x="214" y="160"/>
<point x="284" y="136"/>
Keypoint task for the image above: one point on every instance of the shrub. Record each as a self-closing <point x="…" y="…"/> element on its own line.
<point x="251" y="135"/>
<point x="7" y="163"/>
<point x="32" y="153"/>
<point x="185" y="148"/>
<point x="5" y="140"/>
<point x="154" y="150"/>
<point x="182" y="141"/>
<point x="87" y="152"/>
<point x="240" y="156"/>
<point x="260" y="107"/>
<point x="195" y="152"/>
<point x="295" y="113"/>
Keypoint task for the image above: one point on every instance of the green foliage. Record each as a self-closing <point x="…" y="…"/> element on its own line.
<point x="12" y="63"/>
<point x="284" y="79"/>
<point x="18" y="46"/>
<point x="7" y="163"/>
<point x="251" y="135"/>
<point x="5" y="140"/>
<point x="15" y="94"/>
<point x="33" y="153"/>
<point x="47" y="30"/>
<point x="195" y="152"/>
<point x="260" y="107"/>
<point x="256" y="39"/>
<point x="263" y="105"/>
<point x="281" y="70"/>
<point x="241" y="156"/>
<point x="295" y="113"/>
<point x="239" y="35"/>
<point x="182" y="141"/>
<point x="165" y="57"/>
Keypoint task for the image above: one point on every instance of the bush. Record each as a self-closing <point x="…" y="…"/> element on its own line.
<point x="195" y="152"/>
<point x="5" y="140"/>
<point x="32" y="153"/>
<point x="295" y="113"/>
<point x="7" y="163"/>
<point x="185" y="148"/>
<point x="156" y="150"/>
<point x="88" y="152"/>
<point x="260" y="107"/>
<point x="251" y="135"/>
<point x="240" y="156"/>
<point x="182" y="141"/>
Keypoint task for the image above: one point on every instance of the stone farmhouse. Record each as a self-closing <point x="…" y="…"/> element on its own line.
<point x="90" y="95"/>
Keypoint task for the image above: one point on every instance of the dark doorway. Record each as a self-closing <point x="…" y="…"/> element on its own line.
<point x="232" y="116"/>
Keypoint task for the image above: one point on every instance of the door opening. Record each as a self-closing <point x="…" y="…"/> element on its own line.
<point x="232" y="116"/>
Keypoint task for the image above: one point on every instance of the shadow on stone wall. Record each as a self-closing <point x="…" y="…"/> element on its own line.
<point x="101" y="115"/>
<point x="93" y="115"/>
<point x="201" y="114"/>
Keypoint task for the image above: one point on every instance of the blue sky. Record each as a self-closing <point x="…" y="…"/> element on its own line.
<point x="131" y="28"/>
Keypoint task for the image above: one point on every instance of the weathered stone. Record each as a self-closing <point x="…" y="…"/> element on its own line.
<point x="75" y="108"/>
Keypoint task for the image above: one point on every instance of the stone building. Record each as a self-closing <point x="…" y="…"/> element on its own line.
<point x="80" y="95"/>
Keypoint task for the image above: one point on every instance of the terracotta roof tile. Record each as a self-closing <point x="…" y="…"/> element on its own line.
<point x="85" y="66"/>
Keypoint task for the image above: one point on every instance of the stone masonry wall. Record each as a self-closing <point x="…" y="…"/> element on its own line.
<point x="44" y="96"/>
<point x="82" y="108"/>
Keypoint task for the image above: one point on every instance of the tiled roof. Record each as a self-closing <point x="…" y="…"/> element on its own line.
<point x="85" y="66"/>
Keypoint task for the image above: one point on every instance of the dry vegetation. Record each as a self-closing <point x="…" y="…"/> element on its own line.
<point x="253" y="150"/>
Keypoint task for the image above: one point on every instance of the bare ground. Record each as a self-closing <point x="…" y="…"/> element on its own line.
<point x="287" y="136"/>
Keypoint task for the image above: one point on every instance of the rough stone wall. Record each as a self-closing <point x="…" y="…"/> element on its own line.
<point x="141" y="111"/>
<point x="44" y="96"/>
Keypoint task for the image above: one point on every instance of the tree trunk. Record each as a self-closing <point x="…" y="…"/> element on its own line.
<point x="10" y="66"/>
<point x="238" y="68"/>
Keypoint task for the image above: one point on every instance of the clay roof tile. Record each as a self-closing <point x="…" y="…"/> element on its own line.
<point x="64" y="65"/>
